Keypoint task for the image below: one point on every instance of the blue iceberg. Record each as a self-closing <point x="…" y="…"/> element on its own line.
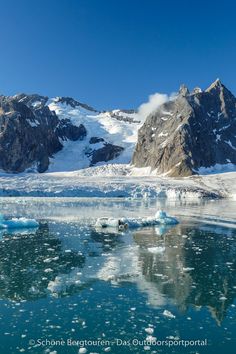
<point x="165" y="219"/>
<point x="17" y="223"/>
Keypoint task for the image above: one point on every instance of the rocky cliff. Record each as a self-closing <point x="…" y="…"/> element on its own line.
<point x="191" y="131"/>
<point x="30" y="133"/>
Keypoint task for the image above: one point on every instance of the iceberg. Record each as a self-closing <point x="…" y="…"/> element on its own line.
<point x="17" y="223"/>
<point x="165" y="219"/>
<point x="161" y="218"/>
<point x="120" y="224"/>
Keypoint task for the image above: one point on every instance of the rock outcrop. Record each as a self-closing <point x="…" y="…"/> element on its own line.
<point x="191" y="131"/>
<point x="30" y="133"/>
<point x="106" y="153"/>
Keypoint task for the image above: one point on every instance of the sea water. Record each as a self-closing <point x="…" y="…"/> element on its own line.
<point x="68" y="287"/>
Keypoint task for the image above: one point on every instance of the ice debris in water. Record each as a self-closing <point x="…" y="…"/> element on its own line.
<point x="168" y="314"/>
<point x="17" y="223"/>
<point x="149" y="330"/>
<point x="161" y="218"/>
<point x="156" y="250"/>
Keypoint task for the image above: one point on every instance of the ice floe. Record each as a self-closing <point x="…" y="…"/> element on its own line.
<point x="168" y="314"/>
<point x="17" y="223"/>
<point x="161" y="218"/>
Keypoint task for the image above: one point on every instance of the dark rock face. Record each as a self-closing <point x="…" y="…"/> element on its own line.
<point x="121" y="115"/>
<point x="30" y="133"/>
<point x="106" y="153"/>
<point x="66" y="130"/>
<point x="31" y="101"/>
<point x="194" y="130"/>
<point x="95" y="140"/>
<point x="73" y="103"/>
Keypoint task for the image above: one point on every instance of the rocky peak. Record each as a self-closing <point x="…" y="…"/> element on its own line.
<point x="217" y="84"/>
<point x="225" y="98"/>
<point x="196" y="90"/>
<point x="190" y="132"/>
<point x="183" y="90"/>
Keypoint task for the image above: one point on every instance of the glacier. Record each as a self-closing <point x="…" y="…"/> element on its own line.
<point x="117" y="181"/>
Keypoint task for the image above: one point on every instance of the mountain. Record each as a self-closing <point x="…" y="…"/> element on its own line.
<point x="190" y="132"/>
<point x="61" y="134"/>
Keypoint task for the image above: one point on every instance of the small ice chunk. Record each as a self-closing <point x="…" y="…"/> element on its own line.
<point x="168" y="314"/>
<point x="222" y="298"/>
<point x="187" y="269"/>
<point x="156" y="250"/>
<point x="82" y="350"/>
<point x="149" y="330"/>
<point x="147" y="347"/>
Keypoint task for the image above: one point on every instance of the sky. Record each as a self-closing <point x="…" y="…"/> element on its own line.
<point x="115" y="53"/>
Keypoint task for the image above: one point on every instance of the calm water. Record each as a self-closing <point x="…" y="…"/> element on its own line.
<point x="69" y="281"/>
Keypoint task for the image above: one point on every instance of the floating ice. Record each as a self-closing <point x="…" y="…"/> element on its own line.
<point x="17" y="223"/>
<point x="160" y="214"/>
<point x="111" y="222"/>
<point x="156" y="250"/>
<point x="161" y="218"/>
<point x="149" y="330"/>
<point x="168" y="314"/>
<point x="165" y="219"/>
<point x="187" y="269"/>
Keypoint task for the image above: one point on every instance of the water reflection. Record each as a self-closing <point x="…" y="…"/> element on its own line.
<point x="30" y="260"/>
<point x="188" y="265"/>
<point x="196" y="267"/>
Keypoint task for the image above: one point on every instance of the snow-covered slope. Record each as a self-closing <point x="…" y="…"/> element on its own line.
<point x="117" y="127"/>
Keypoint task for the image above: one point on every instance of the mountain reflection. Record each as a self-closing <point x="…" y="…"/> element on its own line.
<point x="196" y="266"/>
<point x="186" y="265"/>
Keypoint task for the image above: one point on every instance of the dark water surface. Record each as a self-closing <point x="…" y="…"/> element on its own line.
<point x="69" y="281"/>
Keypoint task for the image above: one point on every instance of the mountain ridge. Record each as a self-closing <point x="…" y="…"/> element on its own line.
<point x="37" y="131"/>
<point x="190" y="132"/>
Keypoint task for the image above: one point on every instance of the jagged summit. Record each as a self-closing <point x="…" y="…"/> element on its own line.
<point x="183" y="90"/>
<point x="194" y="131"/>
<point x="216" y="84"/>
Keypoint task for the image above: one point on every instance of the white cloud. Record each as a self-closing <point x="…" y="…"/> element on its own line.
<point x="154" y="101"/>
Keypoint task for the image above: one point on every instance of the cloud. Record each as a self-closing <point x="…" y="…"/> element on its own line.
<point x="154" y="101"/>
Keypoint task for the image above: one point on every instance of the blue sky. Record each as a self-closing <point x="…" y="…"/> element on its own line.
<point x="114" y="53"/>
